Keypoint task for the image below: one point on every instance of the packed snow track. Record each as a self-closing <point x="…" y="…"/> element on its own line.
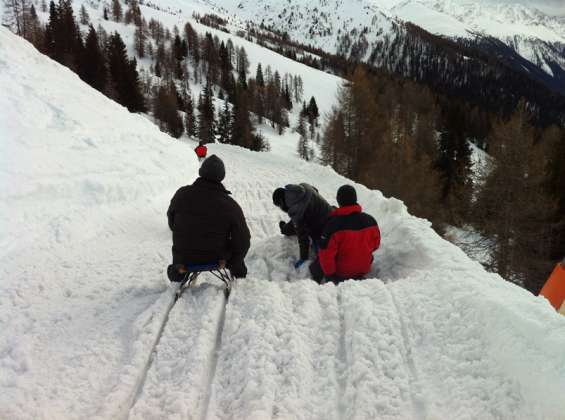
<point x="88" y="323"/>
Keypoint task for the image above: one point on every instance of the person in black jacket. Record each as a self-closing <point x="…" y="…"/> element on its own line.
<point x="207" y="224"/>
<point x="308" y="212"/>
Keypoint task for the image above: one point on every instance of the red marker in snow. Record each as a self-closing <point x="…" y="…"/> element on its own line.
<point x="554" y="289"/>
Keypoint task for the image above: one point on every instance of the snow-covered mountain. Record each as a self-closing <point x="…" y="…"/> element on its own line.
<point x="536" y="36"/>
<point x="337" y="26"/>
<point x="88" y="328"/>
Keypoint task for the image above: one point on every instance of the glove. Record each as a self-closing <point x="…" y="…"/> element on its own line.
<point x="299" y="264"/>
<point x="281" y="226"/>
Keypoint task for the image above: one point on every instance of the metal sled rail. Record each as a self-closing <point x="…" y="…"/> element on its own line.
<point x="193" y="271"/>
<point x="218" y="270"/>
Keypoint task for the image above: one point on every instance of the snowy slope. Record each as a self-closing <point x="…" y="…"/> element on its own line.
<point x="84" y="300"/>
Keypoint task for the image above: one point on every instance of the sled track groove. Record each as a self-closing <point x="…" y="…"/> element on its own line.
<point x="341" y="361"/>
<point x="149" y="360"/>
<point x="140" y="383"/>
<point x="214" y="361"/>
<point x="418" y="401"/>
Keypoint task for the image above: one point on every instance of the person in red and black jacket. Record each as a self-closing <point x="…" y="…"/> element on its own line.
<point x="201" y="151"/>
<point x="348" y="241"/>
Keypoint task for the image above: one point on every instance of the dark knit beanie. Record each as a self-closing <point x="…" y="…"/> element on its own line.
<point x="346" y="196"/>
<point x="213" y="169"/>
<point x="278" y="198"/>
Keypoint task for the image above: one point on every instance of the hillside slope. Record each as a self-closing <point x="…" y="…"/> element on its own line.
<point x="84" y="299"/>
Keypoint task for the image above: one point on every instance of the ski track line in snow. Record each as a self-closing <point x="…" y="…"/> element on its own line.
<point x="377" y="381"/>
<point x="420" y="409"/>
<point x="215" y="356"/>
<point x="141" y="381"/>
<point x="341" y="359"/>
<point x="142" y="375"/>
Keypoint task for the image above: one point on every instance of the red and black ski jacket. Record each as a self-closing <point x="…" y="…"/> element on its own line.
<point x="201" y="151"/>
<point x="348" y="242"/>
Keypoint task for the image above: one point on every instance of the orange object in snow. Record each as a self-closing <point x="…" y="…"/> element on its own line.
<point x="554" y="289"/>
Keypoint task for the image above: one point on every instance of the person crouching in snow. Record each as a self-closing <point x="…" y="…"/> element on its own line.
<point x="201" y="151"/>
<point x="208" y="225"/>
<point x="348" y="241"/>
<point x="308" y="212"/>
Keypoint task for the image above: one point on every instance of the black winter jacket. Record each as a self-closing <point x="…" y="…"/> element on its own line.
<point x="308" y="212"/>
<point x="207" y="224"/>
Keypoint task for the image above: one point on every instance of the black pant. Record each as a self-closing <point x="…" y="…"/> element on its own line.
<point x="319" y="276"/>
<point x="238" y="269"/>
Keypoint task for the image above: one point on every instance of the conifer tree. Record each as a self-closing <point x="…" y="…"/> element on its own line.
<point x="189" y="118"/>
<point x="84" y="17"/>
<point x="206" y="115"/>
<point x="259" y="103"/>
<point x="242" y="129"/>
<point x="179" y="52"/>
<point x="312" y="110"/>
<point x="259" y="143"/>
<point x="35" y="31"/>
<point x="242" y="67"/>
<point x="513" y="208"/>
<point x="454" y="163"/>
<point x="555" y="139"/>
<point x="224" y="123"/>
<point x="62" y="36"/>
<point x="298" y="88"/>
<point x="133" y="14"/>
<point x="117" y="11"/>
<point x="139" y="39"/>
<point x="210" y="56"/>
<point x="287" y="98"/>
<point x="304" y="149"/>
<point x="165" y="110"/>
<point x="193" y="42"/>
<point x="226" y="68"/>
<point x="124" y="76"/>
<point x="93" y="68"/>
<point x="259" y="76"/>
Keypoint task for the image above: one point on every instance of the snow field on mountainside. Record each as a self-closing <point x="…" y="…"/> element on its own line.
<point x="85" y="327"/>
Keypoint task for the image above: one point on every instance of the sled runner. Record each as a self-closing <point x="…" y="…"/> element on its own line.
<point x="187" y="274"/>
